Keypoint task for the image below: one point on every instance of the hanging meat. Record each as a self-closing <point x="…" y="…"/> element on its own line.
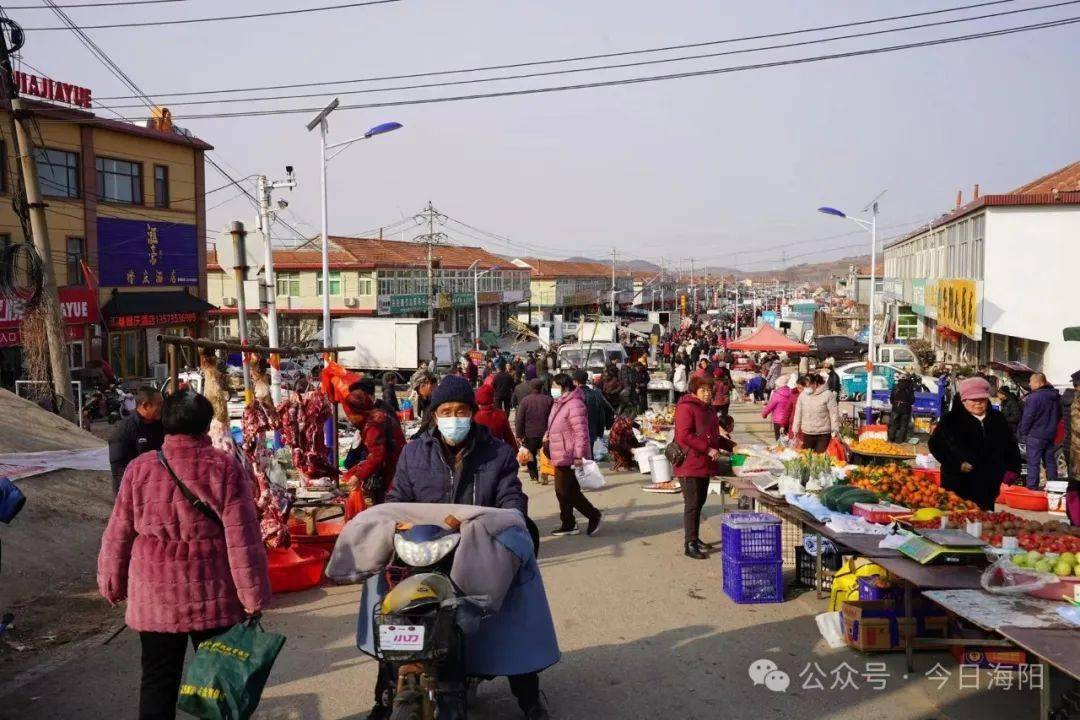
<point x="302" y="419"/>
<point x="271" y="500"/>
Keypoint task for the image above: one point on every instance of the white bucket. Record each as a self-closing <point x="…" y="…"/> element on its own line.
<point x="642" y="455"/>
<point x="661" y="469"/>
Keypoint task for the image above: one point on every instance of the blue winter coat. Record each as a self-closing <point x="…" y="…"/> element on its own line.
<point x="1042" y="413"/>
<point x="490" y="467"/>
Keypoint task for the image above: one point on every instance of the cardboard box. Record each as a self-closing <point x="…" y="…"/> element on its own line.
<point x="982" y="656"/>
<point x="876" y="626"/>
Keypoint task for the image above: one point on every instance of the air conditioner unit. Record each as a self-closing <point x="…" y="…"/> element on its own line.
<point x="228" y="302"/>
<point x="351" y="302"/>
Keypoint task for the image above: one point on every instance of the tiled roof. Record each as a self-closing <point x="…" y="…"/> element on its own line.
<point x="549" y="269"/>
<point x="370" y="253"/>
<point x="1067" y="179"/>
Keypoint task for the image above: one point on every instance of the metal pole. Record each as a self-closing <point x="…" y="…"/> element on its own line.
<point x="271" y="286"/>
<point x="476" y="306"/>
<point x="870" y="342"/>
<point x="327" y="333"/>
<point x="612" y="284"/>
<point x="238" y="233"/>
<point x="174" y="367"/>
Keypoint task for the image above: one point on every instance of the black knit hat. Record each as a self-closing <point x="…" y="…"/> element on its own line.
<point x="453" y="388"/>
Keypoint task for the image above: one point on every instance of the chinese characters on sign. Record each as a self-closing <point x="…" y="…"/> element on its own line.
<point x="78" y="306"/>
<point x="958" y="302"/>
<point x="136" y="253"/>
<point x="147" y="320"/>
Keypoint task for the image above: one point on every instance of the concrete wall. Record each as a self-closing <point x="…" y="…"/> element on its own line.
<point x="1032" y="272"/>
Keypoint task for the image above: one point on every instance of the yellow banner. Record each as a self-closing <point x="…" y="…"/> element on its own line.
<point x="957" y="302"/>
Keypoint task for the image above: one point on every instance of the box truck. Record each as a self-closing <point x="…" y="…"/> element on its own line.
<point x="382" y="344"/>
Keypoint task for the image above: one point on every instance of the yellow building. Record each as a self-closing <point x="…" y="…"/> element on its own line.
<point x="127" y="202"/>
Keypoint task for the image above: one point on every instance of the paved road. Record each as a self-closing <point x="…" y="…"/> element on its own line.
<point x="644" y="631"/>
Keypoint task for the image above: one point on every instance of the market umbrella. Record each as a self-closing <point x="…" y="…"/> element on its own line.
<point x="765" y="338"/>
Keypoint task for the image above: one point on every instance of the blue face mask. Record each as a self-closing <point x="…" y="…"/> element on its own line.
<point x="453" y="429"/>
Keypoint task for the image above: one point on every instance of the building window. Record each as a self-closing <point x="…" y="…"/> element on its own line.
<point x="335" y="283"/>
<point x="220" y="327"/>
<point x="74" y="255"/>
<point x="288" y="284"/>
<point x="161" y="186"/>
<point x="365" y="286"/>
<point x="119" y="181"/>
<point x="76" y="356"/>
<point x="58" y="172"/>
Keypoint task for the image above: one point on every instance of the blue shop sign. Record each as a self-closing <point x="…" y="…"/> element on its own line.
<point x="141" y="253"/>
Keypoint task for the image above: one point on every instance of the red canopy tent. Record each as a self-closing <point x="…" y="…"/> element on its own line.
<point x="766" y="338"/>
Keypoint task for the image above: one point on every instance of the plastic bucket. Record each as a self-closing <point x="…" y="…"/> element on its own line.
<point x="642" y="455"/>
<point x="661" y="469"/>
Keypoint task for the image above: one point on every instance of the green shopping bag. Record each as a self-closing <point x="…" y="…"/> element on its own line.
<point x="227" y="676"/>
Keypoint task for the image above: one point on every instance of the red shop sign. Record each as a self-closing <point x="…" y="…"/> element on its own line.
<point x="149" y="320"/>
<point x="12" y="337"/>
<point x="78" y="305"/>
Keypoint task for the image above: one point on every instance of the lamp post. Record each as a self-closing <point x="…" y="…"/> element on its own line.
<point x="870" y="224"/>
<point x="319" y="121"/>
<point x="475" y="267"/>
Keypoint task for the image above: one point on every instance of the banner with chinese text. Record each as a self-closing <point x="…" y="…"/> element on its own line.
<point x="142" y="253"/>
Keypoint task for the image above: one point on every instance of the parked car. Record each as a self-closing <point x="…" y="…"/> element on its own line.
<point x="838" y="347"/>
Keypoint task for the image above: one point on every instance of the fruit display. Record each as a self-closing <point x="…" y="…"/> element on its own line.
<point x="898" y="484"/>
<point x="874" y="446"/>
<point x="1065" y="564"/>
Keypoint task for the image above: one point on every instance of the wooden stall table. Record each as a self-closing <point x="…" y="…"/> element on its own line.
<point x="1056" y="646"/>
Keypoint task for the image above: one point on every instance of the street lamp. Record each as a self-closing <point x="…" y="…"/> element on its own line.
<point x="870" y="224"/>
<point x="319" y="121"/>
<point x="476" y="298"/>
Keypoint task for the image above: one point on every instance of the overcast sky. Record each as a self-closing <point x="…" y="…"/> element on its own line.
<point x="701" y="167"/>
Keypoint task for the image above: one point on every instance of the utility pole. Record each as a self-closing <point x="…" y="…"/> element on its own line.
<point x="612" y="284"/>
<point x="239" y="272"/>
<point x="431" y="239"/>
<point x="39" y="228"/>
<point x="693" y="290"/>
<point x="662" y="277"/>
<point x="264" y="190"/>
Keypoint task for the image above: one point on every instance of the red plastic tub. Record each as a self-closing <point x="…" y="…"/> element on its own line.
<point x="326" y="536"/>
<point x="1020" y="498"/>
<point x="296" y="568"/>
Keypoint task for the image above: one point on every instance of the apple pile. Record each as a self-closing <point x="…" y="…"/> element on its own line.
<point x="1063" y="564"/>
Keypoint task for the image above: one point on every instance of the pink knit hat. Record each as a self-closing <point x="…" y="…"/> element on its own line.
<point x="974" y="388"/>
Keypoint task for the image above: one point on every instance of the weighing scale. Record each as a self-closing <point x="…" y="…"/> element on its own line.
<point x="943" y="547"/>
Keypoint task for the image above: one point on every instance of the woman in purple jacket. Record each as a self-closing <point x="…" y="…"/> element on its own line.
<point x="567" y="443"/>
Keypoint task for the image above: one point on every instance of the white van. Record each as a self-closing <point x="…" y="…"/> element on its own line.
<point x="599" y="355"/>
<point x="900" y="356"/>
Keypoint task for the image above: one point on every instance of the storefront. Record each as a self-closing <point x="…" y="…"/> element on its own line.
<point x="135" y="319"/>
<point x="78" y="307"/>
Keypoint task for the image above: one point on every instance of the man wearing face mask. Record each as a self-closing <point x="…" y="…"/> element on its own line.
<point x="458" y="461"/>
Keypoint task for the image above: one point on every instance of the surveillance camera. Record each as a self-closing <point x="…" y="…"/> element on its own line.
<point x="288" y="169"/>
<point x="283" y="204"/>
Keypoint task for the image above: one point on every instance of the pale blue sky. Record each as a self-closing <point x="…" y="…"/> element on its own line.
<point x="704" y="166"/>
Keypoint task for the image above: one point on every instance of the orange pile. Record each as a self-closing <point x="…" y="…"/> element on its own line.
<point x="898" y="484"/>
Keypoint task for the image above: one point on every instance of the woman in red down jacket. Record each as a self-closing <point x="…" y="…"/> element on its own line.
<point x="697" y="432"/>
<point x="184" y="575"/>
<point x="567" y="440"/>
<point x="491" y="417"/>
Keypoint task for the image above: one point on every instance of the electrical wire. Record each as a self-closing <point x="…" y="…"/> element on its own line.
<point x="120" y="3"/>
<point x="579" y="58"/>
<point x="645" y="79"/>
<point x="639" y="63"/>
<point x="220" y="18"/>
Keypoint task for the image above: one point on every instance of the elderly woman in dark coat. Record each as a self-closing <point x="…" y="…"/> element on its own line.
<point x="975" y="446"/>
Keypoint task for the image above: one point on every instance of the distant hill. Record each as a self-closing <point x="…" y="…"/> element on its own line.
<point x="631" y="265"/>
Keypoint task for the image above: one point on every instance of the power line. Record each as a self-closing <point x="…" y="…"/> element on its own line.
<point x="95" y="4"/>
<point x="220" y="18"/>
<point x="646" y="79"/>
<point x="616" y="66"/>
<point x="579" y="58"/>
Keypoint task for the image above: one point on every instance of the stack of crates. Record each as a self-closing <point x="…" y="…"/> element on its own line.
<point x="753" y="557"/>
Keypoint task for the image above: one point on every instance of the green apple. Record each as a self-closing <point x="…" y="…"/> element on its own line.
<point x="1020" y="559"/>
<point x="1034" y="556"/>
<point x="1076" y="571"/>
<point x="1044" y="566"/>
<point x="1063" y="569"/>
<point x="1068" y="557"/>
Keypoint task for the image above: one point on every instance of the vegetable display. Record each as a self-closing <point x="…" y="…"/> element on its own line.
<point x="898" y="484"/>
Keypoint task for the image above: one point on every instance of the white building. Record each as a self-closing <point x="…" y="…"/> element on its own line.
<point x="995" y="279"/>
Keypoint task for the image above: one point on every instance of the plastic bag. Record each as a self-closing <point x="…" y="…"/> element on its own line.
<point x="837" y="450"/>
<point x="599" y="449"/>
<point x="546" y="468"/>
<point x="831" y="627"/>
<point x="524" y="457"/>
<point x="589" y="476"/>
<point x="1005" y="578"/>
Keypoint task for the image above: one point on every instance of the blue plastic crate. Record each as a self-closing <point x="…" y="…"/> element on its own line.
<point x="751" y="537"/>
<point x="754" y="582"/>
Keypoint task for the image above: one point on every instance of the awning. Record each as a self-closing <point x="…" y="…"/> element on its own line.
<point x="1071" y="333"/>
<point x="767" y="338"/>
<point x="153" y="309"/>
